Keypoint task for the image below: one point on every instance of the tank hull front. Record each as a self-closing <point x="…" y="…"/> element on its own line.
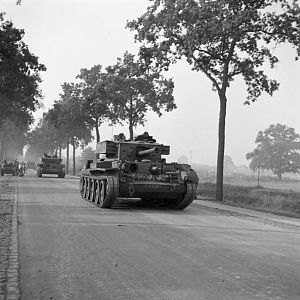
<point x="52" y="171"/>
<point x="151" y="190"/>
<point x="104" y="190"/>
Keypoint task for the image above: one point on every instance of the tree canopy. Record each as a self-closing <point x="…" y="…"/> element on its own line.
<point x="19" y="88"/>
<point x="223" y="39"/>
<point x="41" y="139"/>
<point x="278" y="150"/>
<point x="94" y="97"/>
<point x="87" y="154"/>
<point x="134" y="91"/>
<point x="19" y="72"/>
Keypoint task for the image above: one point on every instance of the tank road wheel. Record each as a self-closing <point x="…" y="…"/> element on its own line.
<point x="97" y="190"/>
<point x="93" y="191"/>
<point x="81" y="186"/>
<point x="102" y="192"/>
<point x="109" y="192"/>
<point x="85" y="192"/>
<point x="89" y="183"/>
<point x="187" y="198"/>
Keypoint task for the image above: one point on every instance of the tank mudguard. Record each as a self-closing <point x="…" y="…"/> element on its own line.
<point x="192" y="176"/>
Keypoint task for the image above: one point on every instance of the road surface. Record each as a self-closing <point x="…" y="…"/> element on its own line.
<point x="71" y="249"/>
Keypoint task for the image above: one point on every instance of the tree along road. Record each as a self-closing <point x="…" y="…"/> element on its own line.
<point x="71" y="249"/>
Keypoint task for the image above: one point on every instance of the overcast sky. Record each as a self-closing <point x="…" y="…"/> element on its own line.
<point x="68" y="35"/>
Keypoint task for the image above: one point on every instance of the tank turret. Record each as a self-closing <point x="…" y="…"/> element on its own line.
<point x="137" y="169"/>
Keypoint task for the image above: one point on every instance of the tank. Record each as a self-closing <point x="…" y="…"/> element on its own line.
<point x="136" y="170"/>
<point x="50" y="165"/>
<point x="9" y="168"/>
<point x="31" y="165"/>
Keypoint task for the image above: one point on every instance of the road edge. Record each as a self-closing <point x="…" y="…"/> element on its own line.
<point x="13" y="289"/>
<point x="269" y="216"/>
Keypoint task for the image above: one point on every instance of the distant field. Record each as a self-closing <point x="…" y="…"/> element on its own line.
<point x="284" y="185"/>
<point x="272" y="196"/>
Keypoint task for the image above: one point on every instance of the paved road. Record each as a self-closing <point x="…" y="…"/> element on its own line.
<point x="71" y="249"/>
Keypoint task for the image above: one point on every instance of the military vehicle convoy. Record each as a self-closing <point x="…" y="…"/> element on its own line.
<point x="136" y="169"/>
<point x="50" y="165"/>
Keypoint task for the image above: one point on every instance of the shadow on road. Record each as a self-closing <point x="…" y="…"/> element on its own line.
<point x="140" y="205"/>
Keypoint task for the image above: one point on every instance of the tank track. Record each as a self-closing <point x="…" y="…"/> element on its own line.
<point x="102" y="191"/>
<point x="187" y="198"/>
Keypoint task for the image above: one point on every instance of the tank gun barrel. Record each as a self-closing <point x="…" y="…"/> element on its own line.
<point x="148" y="151"/>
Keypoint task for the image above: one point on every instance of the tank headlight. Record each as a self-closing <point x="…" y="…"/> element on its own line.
<point x="154" y="169"/>
<point x="125" y="167"/>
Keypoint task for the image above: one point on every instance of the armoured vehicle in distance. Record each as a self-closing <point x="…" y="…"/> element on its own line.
<point x="136" y="169"/>
<point x="31" y="165"/>
<point x="9" y="167"/>
<point x="50" y="165"/>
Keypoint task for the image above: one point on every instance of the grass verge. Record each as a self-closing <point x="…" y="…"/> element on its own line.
<point x="264" y="199"/>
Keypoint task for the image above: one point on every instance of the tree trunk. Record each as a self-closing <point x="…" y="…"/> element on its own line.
<point x="97" y="134"/>
<point x="2" y="145"/>
<point x="131" y="132"/>
<point x="130" y="120"/>
<point x="97" y="137"/>
<point x="97" y="131"/>
<point x="67" y="164"/>
<point x="73" y="144"/>
<point x="3" y="153"/>
<point x="279" y="174"/>
<point x="221" y="147"/>
<point x="130" y="129"/>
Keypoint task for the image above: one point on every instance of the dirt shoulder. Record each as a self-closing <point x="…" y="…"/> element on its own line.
<point x="9" y="266"/>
